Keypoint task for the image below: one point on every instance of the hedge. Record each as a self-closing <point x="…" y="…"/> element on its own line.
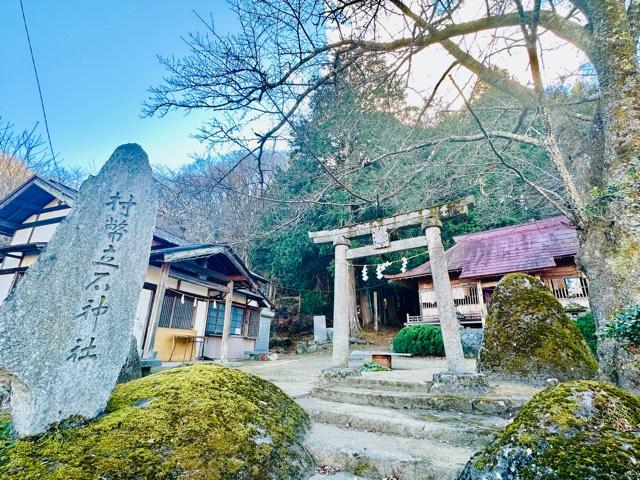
<point x="421" y="340"/>
<point x="587" y="326"/>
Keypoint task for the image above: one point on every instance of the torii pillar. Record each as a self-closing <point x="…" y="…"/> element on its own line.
<point x="341" y="301"/>
<point x="444" y="296"/>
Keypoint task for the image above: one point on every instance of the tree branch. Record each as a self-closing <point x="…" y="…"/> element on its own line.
<point x="458" y="139"/>
<point x="550" y="138"/>
<point x="561" y="208"/>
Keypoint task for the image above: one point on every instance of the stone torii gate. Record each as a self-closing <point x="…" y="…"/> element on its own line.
<point x="344" y="293"/>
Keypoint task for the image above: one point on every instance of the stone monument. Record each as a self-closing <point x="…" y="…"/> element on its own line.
<point x="320" y="328"/>
<point x="65" y="332"/>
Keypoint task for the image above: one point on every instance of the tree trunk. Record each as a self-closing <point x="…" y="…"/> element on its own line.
<point x="365" y="306"/>
<point x="610" y="240"/>
<point x="354" y="324"/>
<point x="611" y="261"/>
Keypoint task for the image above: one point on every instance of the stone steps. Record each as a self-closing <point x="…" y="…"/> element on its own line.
<point x="384" y="384"/>
<point x="378" y="456"/>
<point x="487" y="405"/>
<point x="474" y="431"/>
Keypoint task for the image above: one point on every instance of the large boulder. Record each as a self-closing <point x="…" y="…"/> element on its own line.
<point x="582" y="430"/>
<point x="201" y="422"/>
<point x="528" y="336"/>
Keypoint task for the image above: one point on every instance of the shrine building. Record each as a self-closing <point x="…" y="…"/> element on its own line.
<point x="187" y="290"/>
<point x="545" y="249"/>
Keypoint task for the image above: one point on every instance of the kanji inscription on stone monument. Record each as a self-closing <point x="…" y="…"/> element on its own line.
<point x="65" y="332"/>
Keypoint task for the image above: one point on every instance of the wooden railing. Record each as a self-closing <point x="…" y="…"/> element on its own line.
<point x="467" y="320"/>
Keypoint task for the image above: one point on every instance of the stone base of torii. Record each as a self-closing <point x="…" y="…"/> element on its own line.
<point x="430" y="220"/>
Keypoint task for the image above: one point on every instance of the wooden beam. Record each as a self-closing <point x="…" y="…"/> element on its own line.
<point x="10" y="271"/>
<point x="198" y="281"/>
<point x="156" y="308"/>
<point x="55" y="192"/>
<point x="395" y="222"/>
<point x="237" y="278"/>
<point x="396" y="246"/>
<point x="55" y="208"/>
<point x="39" y="223"/>
<point x="191" y="265"/>
<point x="188" y="254"/>
<point x="226" y="326"/>
<point x="24" y="247"/>
<point x="483" y="307"/>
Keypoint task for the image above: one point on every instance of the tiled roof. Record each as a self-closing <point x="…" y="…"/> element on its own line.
<point x="518" y="248"/>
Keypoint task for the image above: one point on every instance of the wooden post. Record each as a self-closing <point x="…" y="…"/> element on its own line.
<point x="444" y="297"/>
<point x="365" y="306"/>
<point x="375" y="310"/>
<point x="341" y="304"/>
<point x="354" y="323"/>
<point x="226" y="326"/>
<point x="483" y="307"/>
<point x="156" y="308"/>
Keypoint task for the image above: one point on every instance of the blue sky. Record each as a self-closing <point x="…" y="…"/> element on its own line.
<point x="95" y="61"/>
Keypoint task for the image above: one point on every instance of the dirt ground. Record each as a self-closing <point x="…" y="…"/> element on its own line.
<point x="297" y="374"/>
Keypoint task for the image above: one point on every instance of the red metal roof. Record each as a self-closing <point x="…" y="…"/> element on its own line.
<point x="518" y="248"/>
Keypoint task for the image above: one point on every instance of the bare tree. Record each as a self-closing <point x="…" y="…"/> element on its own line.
<point x="287" y="49"/>
<point x="228" y="213"/>
<point x="21" y="154"/>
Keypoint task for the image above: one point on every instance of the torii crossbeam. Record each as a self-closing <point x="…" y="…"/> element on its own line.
<point x="344" y="296"/>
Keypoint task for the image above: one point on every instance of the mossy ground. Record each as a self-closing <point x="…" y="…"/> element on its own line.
<point x="373" y="367"/>
<point x="202" y="422"/>
<point x="577" y="430"/>
<point x="527" y="335"/>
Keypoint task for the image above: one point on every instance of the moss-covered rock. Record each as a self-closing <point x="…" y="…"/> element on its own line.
<point x="202" y="422"/>
<point x="528" y="336"/>
<point x="582" y="430"/>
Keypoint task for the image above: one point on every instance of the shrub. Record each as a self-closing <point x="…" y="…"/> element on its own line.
<point x="313" y="303"/>
<point x="625" y="327"/>
<point x="587" y="326"/>
<point x="423" y="340"/>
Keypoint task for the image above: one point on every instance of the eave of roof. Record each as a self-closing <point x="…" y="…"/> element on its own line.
<point x="11" y="206"/>
<point x="185" y="253"/>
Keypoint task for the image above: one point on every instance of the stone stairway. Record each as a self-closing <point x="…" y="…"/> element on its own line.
<point x="482" y="405"/>
<point x="377" y="428"/>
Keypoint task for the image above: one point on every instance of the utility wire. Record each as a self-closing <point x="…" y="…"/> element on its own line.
<point x="35" y="70"/>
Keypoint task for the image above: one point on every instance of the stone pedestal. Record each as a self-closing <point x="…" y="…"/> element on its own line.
<point x="341" y="302"/>
<point x="459" y="383"/>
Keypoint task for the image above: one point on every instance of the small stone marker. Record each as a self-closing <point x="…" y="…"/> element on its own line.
<point x="264" y="332"/>
<point x="65" y="332"/>
<point x="320" y="328"/>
